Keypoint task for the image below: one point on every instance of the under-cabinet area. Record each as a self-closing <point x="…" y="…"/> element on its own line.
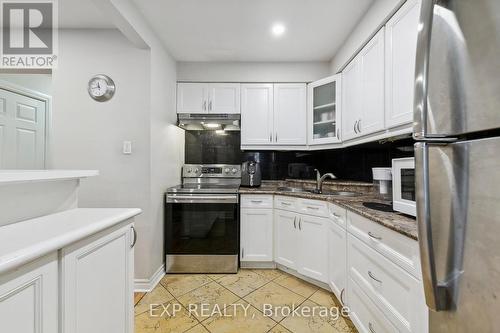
<point x="373" y="270"/>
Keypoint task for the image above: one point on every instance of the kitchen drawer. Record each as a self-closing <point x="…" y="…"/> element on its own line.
<point x="398" y="294"/>
<point x="286" y="203"/>
<point x="364" y="314"/>
<point x="256" y="201"/>
<point x="399" y="249"/>
<point x="338" y="214"/>
<point x="314" y="207"/>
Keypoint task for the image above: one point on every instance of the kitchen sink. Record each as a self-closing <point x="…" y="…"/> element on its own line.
<point x="291" y="189"/>
<point x="338" y="193"/>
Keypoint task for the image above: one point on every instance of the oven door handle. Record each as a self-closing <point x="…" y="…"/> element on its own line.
<point x="176" y="198"/>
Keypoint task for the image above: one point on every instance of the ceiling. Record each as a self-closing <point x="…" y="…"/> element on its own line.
<point x="81" y="14"/>
<point x="236" y="30"/>
<point x="240" y="30"/>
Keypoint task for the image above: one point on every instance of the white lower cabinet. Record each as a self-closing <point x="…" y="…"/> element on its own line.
<point x="256" y="234"/>
<point x="337" y="256"/>
<point x="312" y="241"/>
<point x="285" y="238"/>
<point x="97" y="283"/>
<point x="29" y="297"/>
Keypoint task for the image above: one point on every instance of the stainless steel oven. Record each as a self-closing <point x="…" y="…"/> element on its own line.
<point x="202" y="221"/>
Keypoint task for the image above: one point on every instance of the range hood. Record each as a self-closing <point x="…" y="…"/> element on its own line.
<point x="208" y="121"/>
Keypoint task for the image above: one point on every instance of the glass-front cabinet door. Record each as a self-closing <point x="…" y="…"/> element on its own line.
<point x="324" y="111"/>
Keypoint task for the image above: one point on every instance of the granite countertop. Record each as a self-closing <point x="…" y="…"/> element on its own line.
<point x="398" y="222"/>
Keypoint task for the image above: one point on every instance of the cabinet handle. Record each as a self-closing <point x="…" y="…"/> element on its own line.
<point x="295" y="222"/>
<point x="276" y="137"/>
<point x="135" y="237"/>
<point x="270" y="137"/>
<point x="355" y="124"/>
<point x="370" y="326"/>
<point x="242" y="252"/>
<point x="300" y="223"/>
<point x="210" y="106"/>
<point x="373" y="236"/>
<point x="314" y="208"/>
<point x="286" y="204"/>
<point x="370" y="274"/>
<point x="204" y="105"/>
<point x="359" y="126"/>
<point x="342" y="296"/>
<point x="256" y="201"/>
<point x="338" y="133"/>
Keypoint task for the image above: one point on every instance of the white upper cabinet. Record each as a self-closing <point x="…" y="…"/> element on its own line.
<point x="324" y="111"/>
<point x="363" y="90"/>
<point x="208" y="97"/>
<point x="350" y="99"/>
<point x="224" y="98"/>
<point x="290" y="114"/>
<point x="256" y="114"/>
<point x="400" y="49"/>
<point x="192" y="98"/>
<point x="372" y="82"/>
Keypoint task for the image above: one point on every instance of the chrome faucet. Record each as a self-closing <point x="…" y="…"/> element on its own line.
<point x="320" y="179"/>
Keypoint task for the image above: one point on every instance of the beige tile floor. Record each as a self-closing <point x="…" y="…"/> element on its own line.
<point x="234" y="303"/>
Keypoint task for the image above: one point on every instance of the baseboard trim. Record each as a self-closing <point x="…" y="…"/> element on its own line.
<point x="258" y="264"/>
<point x="146" y="285"/>
<point x="302" y="277"/>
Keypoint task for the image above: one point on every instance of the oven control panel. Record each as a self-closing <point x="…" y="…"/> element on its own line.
<point x="211" y="170"/>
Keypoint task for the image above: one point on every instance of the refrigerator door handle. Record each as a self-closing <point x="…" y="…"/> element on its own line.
<point x="421" y="70"/>
<point x="435" y="293"/>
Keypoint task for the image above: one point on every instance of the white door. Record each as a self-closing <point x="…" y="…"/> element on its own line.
<point x="313" y="248"/>
<point x="256" y="114"/>
<point x="256" y="234"/>
<point x="22" y="131"/>
<point x="372" y="79"/>
<point x="400" y="50"/>
<point x="290" y="114"/>
<point x="224" y="98"/>
<point x="351" y="101"/>
<point x="337" y="255"/>
<point x="192" y="98"/>
<point x="97" y="283"/>
<point x="29" y="297"/>
<point x="285" y="238"/>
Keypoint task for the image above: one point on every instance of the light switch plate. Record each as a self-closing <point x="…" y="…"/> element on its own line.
<point x="127" y="147"/>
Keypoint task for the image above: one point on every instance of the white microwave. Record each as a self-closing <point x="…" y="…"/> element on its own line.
<point x="403" y="186"/>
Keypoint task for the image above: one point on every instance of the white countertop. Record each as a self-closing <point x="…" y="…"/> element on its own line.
<point x="25" y="241"/>
<point x="20" y="176"/>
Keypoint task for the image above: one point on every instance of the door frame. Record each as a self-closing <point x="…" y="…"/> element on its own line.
<point x="47" y="99"/>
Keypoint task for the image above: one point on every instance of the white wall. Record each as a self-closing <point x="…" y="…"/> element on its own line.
<point x="252" y="71"/>
<point x="88" y="135"/>
<point x="367" y="26"/>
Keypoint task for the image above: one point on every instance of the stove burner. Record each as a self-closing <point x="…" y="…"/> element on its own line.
<point x="379" y="206"/>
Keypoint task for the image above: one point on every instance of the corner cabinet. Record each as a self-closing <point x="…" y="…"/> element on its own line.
<point x="363" y="93"/>
<point x="324" y="111"/>
<point x="195" y="97"/>
<point x="100" y="265"/>
<point x="273" y="116"/>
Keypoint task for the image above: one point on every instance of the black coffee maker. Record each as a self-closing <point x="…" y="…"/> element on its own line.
<point x="250" y="174"/>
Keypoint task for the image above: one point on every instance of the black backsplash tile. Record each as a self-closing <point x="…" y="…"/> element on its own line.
<point x="352" y="163"/>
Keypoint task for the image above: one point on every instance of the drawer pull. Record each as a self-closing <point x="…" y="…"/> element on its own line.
<point x="342" y="296"/>
<point x="286" y="204"/>
<point x="295" y="222"/>
<point x="314" y="208"/>
<point x="336" y="215"/>
<point x="373" y="236"/>
<point x="256" y="201"/>
<point x="300" y="223"/>
<point x="370" y="326"/>
<point x="370" y="274"/>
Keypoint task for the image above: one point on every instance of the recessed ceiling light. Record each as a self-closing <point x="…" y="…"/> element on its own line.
<point x="278" y="29"/>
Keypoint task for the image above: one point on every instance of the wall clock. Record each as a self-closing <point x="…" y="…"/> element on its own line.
<point x="101" y="88"/>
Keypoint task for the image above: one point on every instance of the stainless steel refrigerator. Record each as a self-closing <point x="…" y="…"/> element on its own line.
<point x="457" y="126"/>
